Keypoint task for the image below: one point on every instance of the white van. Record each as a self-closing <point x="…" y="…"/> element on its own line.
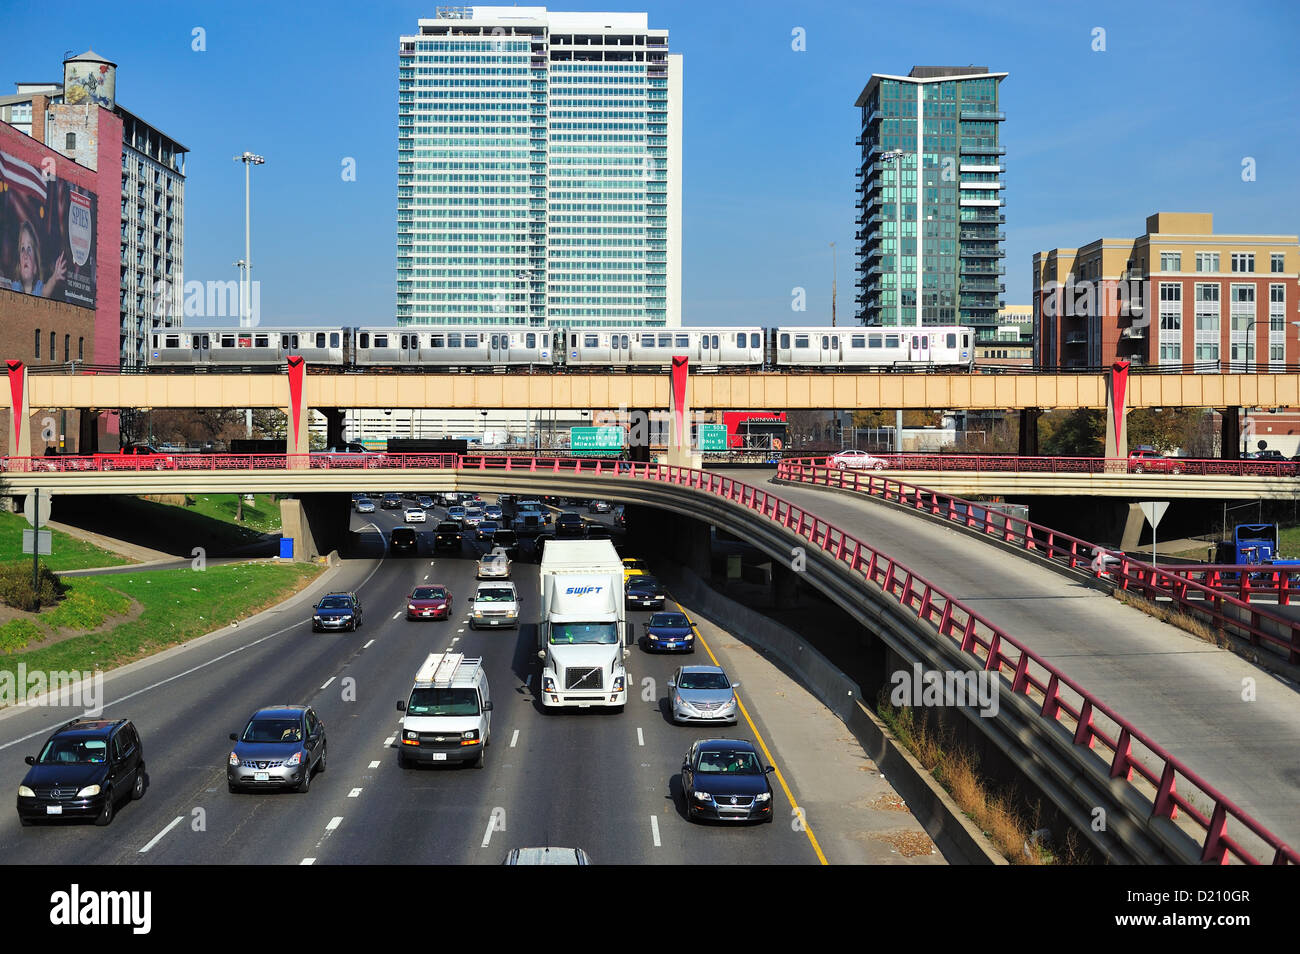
<point x="449" y="714"/>
<point x="494" y="604"/>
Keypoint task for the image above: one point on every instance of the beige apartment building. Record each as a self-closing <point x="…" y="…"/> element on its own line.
<point x="1177" y="296"/>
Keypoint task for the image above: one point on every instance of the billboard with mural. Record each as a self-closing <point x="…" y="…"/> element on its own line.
<point x="47" y="233"/>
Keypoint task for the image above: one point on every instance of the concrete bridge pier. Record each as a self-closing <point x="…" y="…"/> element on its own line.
<point x="692" y="545"/>
<point x="316" y="522"/>
<point x="334" y="421"/>
<point x="1029" y="431"/>
<point x="785" y="585"/>
<point x="1230" y="433"/>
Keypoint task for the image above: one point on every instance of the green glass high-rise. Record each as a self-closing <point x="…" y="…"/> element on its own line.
<point x="539" y="170"/>
<point x="930" y="199"/>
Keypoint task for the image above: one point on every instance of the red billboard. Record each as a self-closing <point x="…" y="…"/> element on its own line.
<point x="47" y="233"/>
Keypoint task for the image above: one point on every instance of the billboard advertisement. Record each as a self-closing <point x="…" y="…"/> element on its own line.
<point x="47" y="233"/>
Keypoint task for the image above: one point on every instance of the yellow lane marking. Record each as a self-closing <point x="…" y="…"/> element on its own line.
<point x="762" y="744"/>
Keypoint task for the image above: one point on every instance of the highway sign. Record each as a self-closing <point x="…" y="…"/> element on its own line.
<point x="712" y="437"/>
<point x="1154" y="510"/>
<point x="30" y="509"/>
<point x="596" y="438"/>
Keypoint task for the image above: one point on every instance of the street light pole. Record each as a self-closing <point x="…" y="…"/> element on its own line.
<point x="832" y="284"/>
<point x="245" y="288"/>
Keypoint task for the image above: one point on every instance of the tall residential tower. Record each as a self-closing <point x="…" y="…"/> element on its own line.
<point x="538" y="170"/>
<point x="931" y="174"/>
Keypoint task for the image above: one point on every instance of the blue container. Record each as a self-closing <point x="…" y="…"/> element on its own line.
<point x="286" y="548"/>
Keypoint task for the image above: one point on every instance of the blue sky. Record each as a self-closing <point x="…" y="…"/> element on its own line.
<point x="1096" y="141"/>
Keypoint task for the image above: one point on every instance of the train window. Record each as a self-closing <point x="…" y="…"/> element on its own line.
<point x="172" y="341"/>
<point x="530" y="340"/>
<point x="453" y="341"/>
<point x="952" y="340"/>
<point x="205" y="341"/>
<point x="826" y="342"/>
<point x="496" y="342"/>
<point x="891" y="341"/>
<point x="381" y="341"/>
<point x="740" y="340"/>
<point x="785" y="339"/>
<point x="589" y="341"/>
<point x="227" y="341"/>
<point x="754" y="341"/>
<point x="857" y="341"/>
<point x="623" y="341"/>
<point x="801" y="341"/>
<point x="925" y="342"/>
<point x="334" y="339"/>
<point x="875" y="341"/>
<point x="573" y="341"/>
<point x="684" y="341"/>
<point x="320" y="339"/>
<point x="437" y="341"/>
<point x="965" y="339"/>
<point x="715" y="341"/>
<point x="194" y="342"/>
<point x="406" y="342"/>
<point x="471" y="341"/>
<point x="293" y="341"/>
<point x="363" y="340"/>
<point x="665" y="341"/>
<point x="261" y="341"/>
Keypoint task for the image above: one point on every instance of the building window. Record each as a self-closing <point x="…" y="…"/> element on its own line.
<point x="70" y="141"/>
<point x="38" y="343"/>
<point x="1171" y="261"/>
<point x="1243" y="261"/>
<point x="81" y="349"/>
<point x="52" y="339"/>
<point x="1207" y="261"/>
<point x="1277" y="262"/>
<point x="67" y="347"/>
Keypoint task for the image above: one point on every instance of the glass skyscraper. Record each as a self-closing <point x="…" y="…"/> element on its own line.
<point x="930" y="201"/>
<point x="539" y="170"/>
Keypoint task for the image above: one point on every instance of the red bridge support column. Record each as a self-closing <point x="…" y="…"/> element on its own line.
<point x="297" y="439"/>
<point x="1116" y="417"/>
<point x="20" y="414"/>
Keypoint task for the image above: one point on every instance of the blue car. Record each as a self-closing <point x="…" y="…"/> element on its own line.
<point x="669" y="631"/>
<point x="336" y="611"/>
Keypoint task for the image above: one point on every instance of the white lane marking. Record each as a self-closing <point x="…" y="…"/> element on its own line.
<point x="368" y="645"/>
<point x="334" y="823"/>
<point x="654" y="829"/>
<point x="328" y="681"/>
<point x="514" y="738"/>
<point x="395" y="615"/>
<point x="455" y="640"/>
<point x="487" y="834"/>
<point x="374" y="765"/>
<point x="389" y="741"/>
<point x="430" y="563"/>
<point x="158" y="837"/>
<point x="307" y="861"/>
<point x="460" y="630"/>
<point x="640" y="739"/>
<point x="426" y="576"/>
<point x="354" y="793"/>
<point x="187" y="672"/>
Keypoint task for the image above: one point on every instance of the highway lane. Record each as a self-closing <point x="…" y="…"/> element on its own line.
<point x="602" y="781"/>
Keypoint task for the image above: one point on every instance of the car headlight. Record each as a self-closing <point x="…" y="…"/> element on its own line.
<point x="412" y="736"/>
<point x="234" y="760"/>
<point x="411" y="606"/>
<point x="88" y="792"/>
<point x="703" y="797"/>
<point x="25" y="792"/>
<point x="478" y="613"/>
<point x="618" y="683"/>
<point x="316" y="617"/>
<point x="763" y="797"/>
<point x="470" y="735"/>
<point x="294" y="760"/>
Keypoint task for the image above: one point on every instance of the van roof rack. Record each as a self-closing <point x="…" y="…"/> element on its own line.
<point x="442" y="669"/>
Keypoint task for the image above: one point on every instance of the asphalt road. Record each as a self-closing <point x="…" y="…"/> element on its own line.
<point x="606" y="782"/>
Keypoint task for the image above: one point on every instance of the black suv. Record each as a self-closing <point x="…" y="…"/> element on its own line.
<point x="391" y="502"/>
<point x="447" y="536"/>
<point x="404" y="540"/>
<point x="85" y="770"/>
<point x="570" y="525"/>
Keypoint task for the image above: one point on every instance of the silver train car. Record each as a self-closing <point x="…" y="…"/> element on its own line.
<point x="496" y="348"/>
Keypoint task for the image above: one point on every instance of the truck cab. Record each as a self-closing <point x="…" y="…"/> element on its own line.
<point x="448" y="715"/>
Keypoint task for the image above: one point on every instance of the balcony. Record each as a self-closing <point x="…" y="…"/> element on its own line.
<point x="1134" y="333"/>
<point x="967" y="203"/>
<point x="983" y="287"/>
<point x="1077" y="338"/>
<point x="981" y="116"/>
<point x="981" y="235"/>
<point x="971" y="268"/>
<point x="970" y="149"/>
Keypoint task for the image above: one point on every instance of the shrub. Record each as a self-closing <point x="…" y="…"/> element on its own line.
<point x="16" y="588"/>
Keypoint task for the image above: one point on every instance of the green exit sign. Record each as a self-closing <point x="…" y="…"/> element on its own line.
<point x="712" y="437"/>
<point x="596" y="438"/>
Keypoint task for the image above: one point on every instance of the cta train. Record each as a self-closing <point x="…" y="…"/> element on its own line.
<point x="488" y="348"/>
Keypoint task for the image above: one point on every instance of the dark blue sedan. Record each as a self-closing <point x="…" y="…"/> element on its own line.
<point x="669" y="631"/>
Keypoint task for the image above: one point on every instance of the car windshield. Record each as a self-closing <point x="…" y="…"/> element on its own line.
<point x="443" y="702"/>
<point x="273" y="730"/>
<point x="505" y="538"/>
<point x="573" y="634"/>
<point x="499" y="594"/>
<point x="336" y="602"/>
<point x="429" y="593"/>
<point x="643" y="583"/>
<point x="675" y="620"/>
<point x="74" y="750"/>
<point x="487" y="526"/>
<point x="703" y="680"/>
<point x="729" y="763"/>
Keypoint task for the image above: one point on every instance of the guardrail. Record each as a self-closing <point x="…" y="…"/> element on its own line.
<point x="1060" y="700"/>
<point x="139" y="462"/>
<point x="1200" y="599"/>
<point x="1012" y="464"/>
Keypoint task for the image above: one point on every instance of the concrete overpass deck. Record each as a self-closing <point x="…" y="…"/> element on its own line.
<point x="1210" y="708"/>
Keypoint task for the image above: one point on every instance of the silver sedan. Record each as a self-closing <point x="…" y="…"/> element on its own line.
<point x="703" y="694"/>
<point x="494" y="565"/>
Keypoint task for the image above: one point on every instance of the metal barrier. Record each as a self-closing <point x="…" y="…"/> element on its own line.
<point x="1059" y="699"/>
<point x="1011" y="464"/>
<point x="222" y="462"/>
<point x="1205" y="600"/>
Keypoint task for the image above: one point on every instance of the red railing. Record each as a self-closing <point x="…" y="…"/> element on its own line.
<point x="1209" y="599"/>
<point x="139" y="462"/>
<point x="961" y="463"/>
<point x="1060" y="700"/>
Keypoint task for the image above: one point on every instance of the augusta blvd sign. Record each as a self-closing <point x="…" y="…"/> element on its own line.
<point x="609" y="438"/>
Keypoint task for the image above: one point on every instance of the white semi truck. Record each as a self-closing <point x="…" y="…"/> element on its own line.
<point x="583" y="636"/>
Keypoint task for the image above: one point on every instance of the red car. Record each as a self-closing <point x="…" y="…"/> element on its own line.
<point x="429" y="602"/>
<point x="1148" y="460"/>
